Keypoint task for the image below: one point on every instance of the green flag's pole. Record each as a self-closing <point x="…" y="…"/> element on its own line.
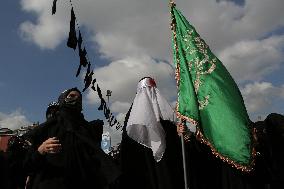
<point x="171" y="3"/>
<point x="184" y="162"/>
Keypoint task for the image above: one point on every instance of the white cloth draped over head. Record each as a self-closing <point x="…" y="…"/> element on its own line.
<point x="144" y="125"/>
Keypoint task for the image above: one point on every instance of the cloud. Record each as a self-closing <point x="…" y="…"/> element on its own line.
<point x="118" y="106"/>
<point x="134" y="37"/>
<point x="14" y="120"/>
<point x="47" y="31"/>
<point x="252" y="60"/>
<point x="255" y="23"/>
<point x="129" y="28"/>
<point x="122" y="77"/>
<point x="262" y="97"/>
<point x="133" y="26"/>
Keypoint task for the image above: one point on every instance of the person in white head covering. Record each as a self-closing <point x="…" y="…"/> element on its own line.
<point x="148" y="108"/>
<point x="150" y="147"/>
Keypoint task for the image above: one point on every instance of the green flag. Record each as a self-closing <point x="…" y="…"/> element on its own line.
<point x="209" y="97"/>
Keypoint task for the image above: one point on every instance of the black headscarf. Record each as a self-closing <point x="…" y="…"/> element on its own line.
<point x="51" y="110"/>
<point x="275" y="125"/>
<point x="270" y="140"/>
<point x="275" y="138"/>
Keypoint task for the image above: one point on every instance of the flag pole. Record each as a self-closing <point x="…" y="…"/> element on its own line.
<point x="184" y="162"/>
<point x="173" y="27"/>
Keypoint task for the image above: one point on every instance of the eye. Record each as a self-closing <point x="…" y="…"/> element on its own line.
<point x="71" y="95"/>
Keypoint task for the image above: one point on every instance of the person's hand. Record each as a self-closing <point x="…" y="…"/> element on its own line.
<point x="181" y="129"/>
<point x="50" y="146"/>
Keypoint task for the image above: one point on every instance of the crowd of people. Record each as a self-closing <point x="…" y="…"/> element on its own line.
<point x="64" y="152"/>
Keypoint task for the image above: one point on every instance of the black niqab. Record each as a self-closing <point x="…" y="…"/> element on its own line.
<point x="72" y="105"/>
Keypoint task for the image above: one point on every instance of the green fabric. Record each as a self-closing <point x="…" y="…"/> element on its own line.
<point x="208" y="94"/>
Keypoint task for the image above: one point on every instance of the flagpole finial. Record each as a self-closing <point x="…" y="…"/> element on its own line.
<point x="172" y="3"/>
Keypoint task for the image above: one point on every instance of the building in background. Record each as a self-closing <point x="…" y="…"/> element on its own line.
<point x="6" y="134"/>
<point x="25" y="129"/>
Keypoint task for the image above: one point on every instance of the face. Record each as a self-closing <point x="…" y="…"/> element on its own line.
<point x="73" y="95"/>
<point x="74" y="100"/>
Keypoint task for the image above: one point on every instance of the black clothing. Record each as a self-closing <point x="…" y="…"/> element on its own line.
<point x="274" y="149"/>
<point x="97" y="130"/>
<point x="141" y="171"/>
<point x="206" y="171"/>
<point x="80" y="164"/>
<point x="4" y="173"/>
<point x="15" y="175"/>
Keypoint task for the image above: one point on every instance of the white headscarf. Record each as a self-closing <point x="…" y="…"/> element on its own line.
<point x="143" y="124"/>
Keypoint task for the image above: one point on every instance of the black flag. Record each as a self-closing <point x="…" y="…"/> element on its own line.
<point x="82" y="54"/>
<point x="88" y="80"/>
<point x="72" y="40"/>
<point x="80" y="40"/>
<point x="83" y="58"/>
<point x="99" y="92"/>
<point x="93" y="84"/>
<point x="54" y="7"/>
<point x="78" y="70"/>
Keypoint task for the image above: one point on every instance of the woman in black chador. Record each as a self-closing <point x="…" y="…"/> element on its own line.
<point x="150" y="147"/>
<point x="65" y="154"/>
<point x="271" y="147"/>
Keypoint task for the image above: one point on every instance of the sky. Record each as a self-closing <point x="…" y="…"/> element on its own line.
<point x="127" y="40"/>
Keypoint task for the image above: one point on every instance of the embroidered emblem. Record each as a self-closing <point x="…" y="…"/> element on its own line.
<point x="200" y="66"/>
